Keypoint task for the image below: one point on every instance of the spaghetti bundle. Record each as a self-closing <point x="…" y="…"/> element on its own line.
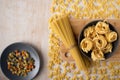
<point x="62" y="27"/>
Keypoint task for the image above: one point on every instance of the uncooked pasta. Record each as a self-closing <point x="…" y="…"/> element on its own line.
<point x="90" y="32"/>
<point x="108" y="48"/>
<point x="86" y="45"/>
<point x="98" y="39"/>
<point x="62" y="28"/>
<point x="102" y="27"/>
<point x="111" y="36"/>
<point x="82" y="9"/>
<point x="97" y="55"/>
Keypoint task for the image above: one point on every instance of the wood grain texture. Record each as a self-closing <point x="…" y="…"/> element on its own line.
<point x="26" y="21"/>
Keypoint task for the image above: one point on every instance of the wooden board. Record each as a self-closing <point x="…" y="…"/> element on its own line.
<point x="77" y="26"/>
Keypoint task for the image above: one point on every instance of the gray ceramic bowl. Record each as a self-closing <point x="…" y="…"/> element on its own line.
<point x="81" y="36"/>
<point x="19" y="46"/>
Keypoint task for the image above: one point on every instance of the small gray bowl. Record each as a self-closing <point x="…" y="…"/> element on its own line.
<point x="19" y="46"/>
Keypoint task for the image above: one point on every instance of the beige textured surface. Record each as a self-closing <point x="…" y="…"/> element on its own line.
<point x="25" y="21"/>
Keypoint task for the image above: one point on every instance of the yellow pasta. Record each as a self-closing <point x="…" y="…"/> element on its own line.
<point x="61" y="27"/>
<point x="111" y="36"/>
<point x="86" y="45"/>
<point x="98" y="38"/>
<point x="97" y="55"/>
<point x="100" y="41"/>
<point x="102" y="28"/>
<point x="108" y="48"/>
<point x="90" y="32"/>
<point x="90" y="9"/>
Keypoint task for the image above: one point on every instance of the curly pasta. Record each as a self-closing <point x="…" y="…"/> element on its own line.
<point x="86" y="45"/>
<point x="102" y="27"/>
<point x="90" y="32"/>
<point x="111" y="36"/>
<point x="97" y="55"/>
<point x="108" y="48"/>
<point x="100" y="41"/>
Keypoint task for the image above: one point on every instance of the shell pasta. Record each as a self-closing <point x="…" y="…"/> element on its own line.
<point x="98" y="39"/>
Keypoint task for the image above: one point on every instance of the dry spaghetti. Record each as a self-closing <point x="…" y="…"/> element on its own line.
<point x="61" y="26"/>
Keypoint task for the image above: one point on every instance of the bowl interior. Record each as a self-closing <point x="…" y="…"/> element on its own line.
<point x="81" y="36"/>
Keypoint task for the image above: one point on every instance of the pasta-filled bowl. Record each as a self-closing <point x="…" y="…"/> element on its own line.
<point x="98" y="40"/>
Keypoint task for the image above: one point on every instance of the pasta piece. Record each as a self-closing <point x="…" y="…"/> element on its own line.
<point x="97" y="55"/>
<point x="100" y="41"/>
<point x="86" y="45"/>
<point x="90" y="32"/>
<point x="102" y="28"/>
<point x="108" y="48"/>
<point x="111" y="37"/>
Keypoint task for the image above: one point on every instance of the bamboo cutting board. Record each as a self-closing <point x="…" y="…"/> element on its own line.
<point x="77" y="26"/>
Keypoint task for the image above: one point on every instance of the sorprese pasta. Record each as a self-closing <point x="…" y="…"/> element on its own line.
<point x="98" y="39"/>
